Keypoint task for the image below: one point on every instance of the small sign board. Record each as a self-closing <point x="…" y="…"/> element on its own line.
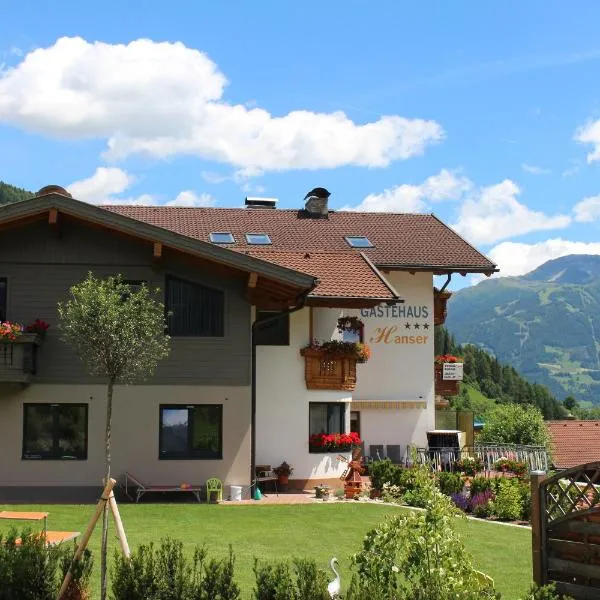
<point x="452" y="372"/>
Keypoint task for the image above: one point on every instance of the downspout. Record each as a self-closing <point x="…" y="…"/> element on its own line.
<point x="446" y="284"/>
<point x="300" y="304"/>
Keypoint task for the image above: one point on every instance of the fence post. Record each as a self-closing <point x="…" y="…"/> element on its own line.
<point x="537" y="525"/>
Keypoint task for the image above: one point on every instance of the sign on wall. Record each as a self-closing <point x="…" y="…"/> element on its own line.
<point x="452" y="372"/>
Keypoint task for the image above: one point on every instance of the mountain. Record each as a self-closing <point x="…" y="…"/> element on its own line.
<point x="546" y="324"/>
<point x="10" y="193"/>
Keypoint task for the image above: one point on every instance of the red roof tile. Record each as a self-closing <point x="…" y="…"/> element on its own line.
<point x="341" y="274"/>
<point x="574" y="442"/>
<point x="400" y="240"/>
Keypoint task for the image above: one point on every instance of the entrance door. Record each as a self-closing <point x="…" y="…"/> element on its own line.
<point x="355" y="421"/>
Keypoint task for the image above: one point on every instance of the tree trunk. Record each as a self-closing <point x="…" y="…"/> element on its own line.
<point x="104" y="549"/>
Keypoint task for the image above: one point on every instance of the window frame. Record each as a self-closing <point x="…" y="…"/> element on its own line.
<point x="266" y="235"/>
<point x="189" y="453"/>
<point x="4" y="299"/>
<point x="348" y="239"/>
<point x="220" y="329"/>
<point x="214" y="241"/>
<point x="55" y="446"/>
<point x="285" y="335"/>
<point x="330" y="405"/>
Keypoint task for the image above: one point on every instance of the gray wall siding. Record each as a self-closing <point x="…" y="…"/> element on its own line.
<point x="41" y="266"/>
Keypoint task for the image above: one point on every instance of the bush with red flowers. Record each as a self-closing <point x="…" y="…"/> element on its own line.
<point x="333" y="442"/>
<point x="448" y="358"/>
<point x="9" y="332"/>
<point x="38" y="327"/>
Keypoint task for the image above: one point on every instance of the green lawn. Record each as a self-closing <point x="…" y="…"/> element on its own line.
<point x="275" y="532"/>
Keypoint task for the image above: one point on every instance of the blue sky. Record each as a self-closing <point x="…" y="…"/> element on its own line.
<point x="486" y="114"/>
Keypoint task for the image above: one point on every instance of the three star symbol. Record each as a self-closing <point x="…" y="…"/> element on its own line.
<point x="417" y="326"/>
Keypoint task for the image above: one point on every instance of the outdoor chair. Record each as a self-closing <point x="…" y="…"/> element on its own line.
<point x="392" y="451"/>
<point x="214" y="486"/>
<point x="376" y="451"/>
<point x="142" y="488"/>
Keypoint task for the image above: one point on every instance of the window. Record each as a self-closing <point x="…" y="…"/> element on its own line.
<point x="2" y="299"/>
<point x="194" y="309"/>
<point x="273" y="333"/>
<point x="358" y="241"/>
<point x="258" y="239"/>
<point x="55" y="431"/>
<point x="191" y="431"/>
<point x="327" y="417"/>
<point x="221" y="237"/>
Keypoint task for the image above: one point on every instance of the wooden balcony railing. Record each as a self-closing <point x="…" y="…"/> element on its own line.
<point x="18" y="359"/>
<point x="326" y="371"/>
<point x="444" y="387"/>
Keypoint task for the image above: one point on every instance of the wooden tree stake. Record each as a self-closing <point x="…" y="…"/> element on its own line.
<point x="119" y="525"/>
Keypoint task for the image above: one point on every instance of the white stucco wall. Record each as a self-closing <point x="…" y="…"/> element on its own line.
<point x="401" y="365"/>
<point x="282" y="403"/>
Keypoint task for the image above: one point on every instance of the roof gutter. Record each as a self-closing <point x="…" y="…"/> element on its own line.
<point x="442" y="269"/>
<point x="300" y="304"/>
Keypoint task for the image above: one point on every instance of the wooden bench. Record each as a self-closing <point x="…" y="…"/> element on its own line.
<point x="142" y="488"/>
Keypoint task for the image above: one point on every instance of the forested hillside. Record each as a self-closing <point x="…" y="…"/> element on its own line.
<point x="10" y="193"/>
<point x="546" y="324"/>
<point x="495" y="380"/>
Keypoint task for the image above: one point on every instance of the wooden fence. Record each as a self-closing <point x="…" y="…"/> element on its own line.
<point x="566" y="530"/>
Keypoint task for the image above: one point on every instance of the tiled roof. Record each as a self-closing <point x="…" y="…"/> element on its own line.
<point x="399" y="240"/>
<point x="574" y="442"/>
<point x="341" y="274"/>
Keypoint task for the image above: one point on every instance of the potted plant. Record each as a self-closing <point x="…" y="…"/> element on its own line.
<point x="9" y="332"/>
<point x="283" y="472"/>
<point x="322" y="491"/>
<point x="38" y="327"/>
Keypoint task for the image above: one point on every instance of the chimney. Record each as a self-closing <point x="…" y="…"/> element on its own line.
<point x="261" y="202"/>
<point x="316" y="203"/>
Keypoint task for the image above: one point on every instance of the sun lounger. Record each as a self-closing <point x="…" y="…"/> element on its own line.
<point x="142" y="488"/>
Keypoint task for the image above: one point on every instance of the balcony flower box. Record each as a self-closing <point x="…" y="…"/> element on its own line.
<point x="18" y="350"/>
<point x="333" y="442"/>
<point x="332" y="365"/>
<point x="439" y="306"/>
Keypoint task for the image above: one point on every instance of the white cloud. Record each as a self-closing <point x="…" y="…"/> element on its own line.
<point x="446" y="185"/>
<point x="102" y="185"/>
<point x="587" y="210"/>
<point x="165" y="99"/>
<point x="105" y="185"/>
<point x="535" y="170"/>
<point x="494" y="213"/>
<point x="515" y="258"/>
<point x="191" y="199"/>
<point x="590" y="134"/>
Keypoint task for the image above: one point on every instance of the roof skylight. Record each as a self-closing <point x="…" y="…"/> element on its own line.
<point x="258" y="239"/>
<point x="358" y="241"/>
<point x="222" y="237"/>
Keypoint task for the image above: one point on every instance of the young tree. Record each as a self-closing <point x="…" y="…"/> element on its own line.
<point x="119" y="334"/>
<point x="515" y="424"/>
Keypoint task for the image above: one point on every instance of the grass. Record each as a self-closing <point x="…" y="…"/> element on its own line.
<point x="275" y="532"/>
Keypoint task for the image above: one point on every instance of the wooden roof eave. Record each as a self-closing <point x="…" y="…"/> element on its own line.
<point x="28" y="209"/>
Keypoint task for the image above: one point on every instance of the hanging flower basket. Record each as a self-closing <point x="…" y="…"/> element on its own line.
<point x="439" y="306"/>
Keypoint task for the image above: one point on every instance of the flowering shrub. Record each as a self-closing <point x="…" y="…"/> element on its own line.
<point x="332" y="442"/>
<point x="361" y="352"/>
<point x="461" y="501"/>
<point x="481" y="503"/>
<point x="469" y="465"/>
<point x="38" y="326"/>
<point x="9" y="332"/>
<point x="507" y="465"/>
<point x="447" y="358"/>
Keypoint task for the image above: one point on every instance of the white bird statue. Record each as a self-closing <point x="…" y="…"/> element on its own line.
<point x="335" y="587"/>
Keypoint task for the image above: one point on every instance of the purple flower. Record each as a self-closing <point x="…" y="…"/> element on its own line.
<point x="482" y="498"/>
<point x="461" y="501"/>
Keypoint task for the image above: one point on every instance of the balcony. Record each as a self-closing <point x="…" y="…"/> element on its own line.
<point x="444" y="385"/>
<point x="329" y="371"/>
<point x="18" y="358"/>
<point x="439" y="306"/>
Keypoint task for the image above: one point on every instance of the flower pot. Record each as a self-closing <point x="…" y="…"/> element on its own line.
<point x="374" y="494"/>
<point x="282" y="482"/>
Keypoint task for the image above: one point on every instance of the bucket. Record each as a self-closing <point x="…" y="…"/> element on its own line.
<point x="235" y="492"/>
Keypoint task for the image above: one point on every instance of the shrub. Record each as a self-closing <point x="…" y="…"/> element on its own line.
<point x="449" y="483"/>
<point x="514" y="424"/>
<point x="276" y="581"/>
<point x="81" y="572"/>
<point x="418" y="484"/>
<point x="213" y="580"/>
<point x="547" y="592"/>
<point x="480" y="484"/>
<point x="480" y="503"/>
<point x="410" y="558"/>
<point x="29" y="570"/>
<point x="525" y="489"/>
<point x="383" y="471"/>
<point x="507" y="505"/>
<point x="461" y="501"/>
